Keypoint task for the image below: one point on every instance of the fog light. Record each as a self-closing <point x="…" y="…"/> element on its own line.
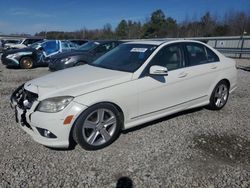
<point x="46" y="133"/>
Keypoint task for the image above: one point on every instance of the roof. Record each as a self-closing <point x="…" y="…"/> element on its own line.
<point x="159" y="41"/>
<point x="151" y="41"/>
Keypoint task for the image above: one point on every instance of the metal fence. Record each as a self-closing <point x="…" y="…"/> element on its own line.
<point x="11" y="37"/>
<point x="236" y="47"/>
<point x="232" y="46"/>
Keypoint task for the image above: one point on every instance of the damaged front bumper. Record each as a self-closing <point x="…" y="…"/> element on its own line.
<point x="45" y="128"/>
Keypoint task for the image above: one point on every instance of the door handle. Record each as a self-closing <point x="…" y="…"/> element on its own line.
<point x="214" y="67"/>
<point x="182" y="75"/>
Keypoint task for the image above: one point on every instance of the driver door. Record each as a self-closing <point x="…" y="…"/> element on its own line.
<point x="158" y="93"/>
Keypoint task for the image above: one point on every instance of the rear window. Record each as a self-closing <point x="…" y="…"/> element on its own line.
<point x="211" y="56"/>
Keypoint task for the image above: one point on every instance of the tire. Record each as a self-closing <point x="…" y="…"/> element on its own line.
<point x="26" y="63"/>
<point x="97" y="127"/>
<point x="219" y="96"/>
<point x="80" y="63"/>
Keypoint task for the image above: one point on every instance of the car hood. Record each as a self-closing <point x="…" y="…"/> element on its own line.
<point x="69" y="54"/>
<point x="8" y="52"/>
<point x="76" y="81"/>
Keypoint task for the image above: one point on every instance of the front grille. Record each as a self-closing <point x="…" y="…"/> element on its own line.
<point x="24" y="98"/>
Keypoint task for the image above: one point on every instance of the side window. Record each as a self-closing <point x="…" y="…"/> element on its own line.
<point x="26" y="42"/>
<point x="112" y="45"/>
<point x="170" y="57"/>
<point x="65" y="46"/>
<point x="102" y="48"/>
<point x="34" y="41"/>
<point x="72" y="45"/>
<point x="211" y="56"/>
<point x="196" y="54"/>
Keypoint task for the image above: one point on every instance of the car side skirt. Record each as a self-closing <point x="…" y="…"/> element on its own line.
<point x="198" y="102"/>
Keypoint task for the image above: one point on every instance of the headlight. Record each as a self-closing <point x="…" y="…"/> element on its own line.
<point x="11" y="56"/>
<point x="54" y="104"/>
<point x="65" y="60"/>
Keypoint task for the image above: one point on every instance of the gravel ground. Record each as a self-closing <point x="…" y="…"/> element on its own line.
<point x="198" y="148"/>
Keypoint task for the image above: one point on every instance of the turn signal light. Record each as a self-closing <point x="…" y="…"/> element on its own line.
<point x="68" y="120"/>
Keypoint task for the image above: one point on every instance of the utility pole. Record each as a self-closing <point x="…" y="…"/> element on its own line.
<point x="242" y="41"/>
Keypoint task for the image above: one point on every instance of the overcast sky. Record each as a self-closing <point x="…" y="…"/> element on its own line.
<point x="30" y="16"/>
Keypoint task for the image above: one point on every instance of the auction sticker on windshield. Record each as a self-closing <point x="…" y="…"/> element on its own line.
<point x="138" y="50"/>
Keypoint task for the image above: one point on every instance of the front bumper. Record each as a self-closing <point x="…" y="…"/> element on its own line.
<point x="56" y="64"/>
<point x="32" y="121"/>
<point x="9" y="62"/>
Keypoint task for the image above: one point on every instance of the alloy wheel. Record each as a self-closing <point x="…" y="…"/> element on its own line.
<point x="99" y="127"/>
<point x="27" y="63"/>
<point x="221" y="95"/>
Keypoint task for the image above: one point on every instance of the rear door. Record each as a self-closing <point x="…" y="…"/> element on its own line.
<point x="201" y="69"/>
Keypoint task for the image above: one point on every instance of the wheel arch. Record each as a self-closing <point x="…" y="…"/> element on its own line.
<point x="80" y="61"/>
<point x="216" y="82"/>
<point x="71" y="139"/>
<point x="227" y="81"/>
<point x="24" y="56"/>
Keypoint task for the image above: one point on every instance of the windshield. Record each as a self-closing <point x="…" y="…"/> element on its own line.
<point x="88" y="46"/>
<point x="126" y="57"/>
<point x="35" y="45"/>
<point x="19" y="42"/>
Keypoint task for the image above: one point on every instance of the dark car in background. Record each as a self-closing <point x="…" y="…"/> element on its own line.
<point x="85" y="54"/>
<point x="78" y="41"/>
<point x="1" y="46"/>
<point x="36" y="54"/>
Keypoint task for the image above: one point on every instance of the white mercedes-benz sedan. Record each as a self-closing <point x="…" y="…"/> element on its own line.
<point x="136" y="82"/>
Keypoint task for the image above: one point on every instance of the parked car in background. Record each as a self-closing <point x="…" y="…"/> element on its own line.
<point x="1" y="46"/>
<point x="22" y="43"/>
<point x="8" y="41"/>
<point x="135" y="83"/>
<point x="86" y="53"/>
<point x="78" y="41"/>
<point x="36" y="54"/>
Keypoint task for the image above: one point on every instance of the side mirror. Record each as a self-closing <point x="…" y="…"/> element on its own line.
<point x="158" y="70"/>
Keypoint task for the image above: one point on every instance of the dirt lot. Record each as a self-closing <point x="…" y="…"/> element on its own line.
<point x="198" y="148"/>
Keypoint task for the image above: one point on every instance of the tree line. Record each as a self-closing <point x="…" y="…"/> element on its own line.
<point x="161" y="26"/>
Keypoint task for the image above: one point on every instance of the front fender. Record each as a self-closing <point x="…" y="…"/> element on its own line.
<point x="125" y="96"/>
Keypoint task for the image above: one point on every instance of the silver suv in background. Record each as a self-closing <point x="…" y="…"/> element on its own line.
<point x="19" y="44"/>
<point x="7" y="41"/>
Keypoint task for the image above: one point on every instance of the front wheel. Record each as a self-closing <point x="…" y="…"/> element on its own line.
<point x="26" y="63"/>
<point x="97" y="127"/>
<point x="219" y="96"/>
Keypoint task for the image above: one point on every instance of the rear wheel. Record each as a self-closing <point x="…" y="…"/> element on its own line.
<point x="26" y="63"/>
<point x="219" y="96"/>
<point x="97" y="127"/>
